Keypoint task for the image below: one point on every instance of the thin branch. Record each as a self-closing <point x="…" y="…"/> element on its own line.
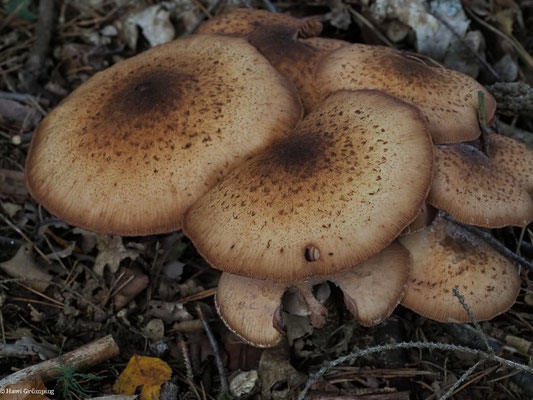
<point x="40" y="47"/>
<point x="473" y="319"/>
<point x="410" y="345"/>
<point x="463" y="377"/>
<point x="493" y="242"/>
<point x="216" y="351"/>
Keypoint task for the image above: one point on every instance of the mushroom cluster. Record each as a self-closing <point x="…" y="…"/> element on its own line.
<point x="290" y="160"/>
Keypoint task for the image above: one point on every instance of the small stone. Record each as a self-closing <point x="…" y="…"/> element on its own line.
<point x="244" y="383"/>
<point x="154" y="329"/>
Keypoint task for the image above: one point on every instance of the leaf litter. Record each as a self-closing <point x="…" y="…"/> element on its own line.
<point x="131" y="287"/>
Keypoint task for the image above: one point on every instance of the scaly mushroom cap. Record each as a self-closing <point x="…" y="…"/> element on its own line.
<point x="133" y="147"/>
<point x="251" y="308"/>
<point x="448" y="98"/>
<point x="337" y="190"/>
<point x="474" y="190"/>
<point x="277" y="37"/>
<point x="514" y="158"/>
<point x="445" y="257"/>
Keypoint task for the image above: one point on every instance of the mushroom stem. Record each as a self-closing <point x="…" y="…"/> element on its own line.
<point x="318" y="312"/>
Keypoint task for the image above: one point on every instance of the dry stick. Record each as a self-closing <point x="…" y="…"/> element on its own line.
<point x="410" y="345"/>
<point x="520" y="240"/>
<point x="463" y="377"/>
<point x="25" y="237"/>
<point x="493" y="242"/>
<point x="473" y="319"/>
<point x="85" y="357"/>
<point x="186" y="358"/>
<point x="216" y="351"/>
<point x="40" y="47"/>
<point x="11" y="17"/>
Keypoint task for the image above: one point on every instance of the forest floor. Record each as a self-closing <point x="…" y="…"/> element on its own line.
<point x="156" y="293"/>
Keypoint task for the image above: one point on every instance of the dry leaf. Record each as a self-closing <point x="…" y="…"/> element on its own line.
<point x="23" y="266"/>
<point x="155" y="24"/>
<point x="168" y="311"/>
<point x="26" y="390"/>
<point x="111" y="252"/>
<point x="146" y="372"/>
<point x="12" y="184"/>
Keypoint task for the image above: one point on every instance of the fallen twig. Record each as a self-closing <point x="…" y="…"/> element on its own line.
<point x="216" y="352"/>
<point x="39" y="49"/>
<point x="493" y="242"/>
<point x="85" y="357"/>
<point x="410" y="345"/>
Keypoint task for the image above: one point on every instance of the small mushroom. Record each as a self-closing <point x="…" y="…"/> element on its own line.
<point x="331" y="194"/>
<point x="448" y="98"/>
<point x="287" y="42"/>
<point x="251" y="308"/>
<point x="447" y="257"/>
<point x="133" y="147"/>
<point x="473" y="189"/>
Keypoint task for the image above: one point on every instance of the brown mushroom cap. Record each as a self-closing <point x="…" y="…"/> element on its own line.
<point x="133" y="147"/>
<point x="514" y="158"/>
<point x="277" y="37"/>
<point x="251" y="308"/>
<point x="448" y="98"/>
<point x="372" y="290"/>
<point x="474" y="190"/>
<point x="445" y="257"/>
<point x="337" y="190"/>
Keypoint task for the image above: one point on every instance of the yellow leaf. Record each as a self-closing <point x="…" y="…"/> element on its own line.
<point x="148" y="372"/>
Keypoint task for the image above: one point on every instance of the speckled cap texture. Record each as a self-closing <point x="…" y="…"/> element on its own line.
<point x="445" y="257"/>
<point x="448" y="98"/>
<point x="287" y="42"/>
<point x="133" y="147"/>
<point x="337" y="190"/>
<point x="475" y="190"/>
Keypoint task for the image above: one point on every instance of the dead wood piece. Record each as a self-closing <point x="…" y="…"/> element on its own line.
<point x="39" y="50"/>
<point x="85" y="357"/>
